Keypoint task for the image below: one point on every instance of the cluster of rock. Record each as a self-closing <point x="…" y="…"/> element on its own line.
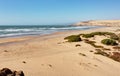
<point x="9" y="72"/>
<point x="99" y="23"/>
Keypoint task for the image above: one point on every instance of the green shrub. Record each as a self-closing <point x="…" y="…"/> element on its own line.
<point x="97" y="33"/>
<point x="88" y="35"/>
<point x="73" y="38"/>
<point x="109" y="42"/>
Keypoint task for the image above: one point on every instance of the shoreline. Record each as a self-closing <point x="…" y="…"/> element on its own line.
<point x="8" y="40"/>
<point x="36" y="30"/>
<point x="50" y="55"/>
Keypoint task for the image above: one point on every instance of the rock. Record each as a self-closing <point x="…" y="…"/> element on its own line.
<point x="9" y="72"/>
<point x="2" y="73"/>
<point x="19" y="73"/>
<point x="24" y="62"/>
<point x="10" y="75"/>
<point x="6" y="71"/>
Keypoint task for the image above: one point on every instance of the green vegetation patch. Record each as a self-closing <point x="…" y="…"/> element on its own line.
<point x="88" y="35"/>
<point x="73" y="38"/>
<point x="96" y="33"/>
<point x="112" y="35"/>
<point x="109" y="42"/>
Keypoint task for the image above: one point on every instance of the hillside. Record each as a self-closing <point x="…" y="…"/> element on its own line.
<point x="99" y="23"/>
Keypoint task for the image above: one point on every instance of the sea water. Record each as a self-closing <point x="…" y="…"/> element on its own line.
<point x="21" y="30"/>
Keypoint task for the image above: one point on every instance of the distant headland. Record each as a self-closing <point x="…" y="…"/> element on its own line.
<point x="99" y="23"/>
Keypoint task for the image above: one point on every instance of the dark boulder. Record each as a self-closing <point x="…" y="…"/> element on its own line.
<point x="9" y="72"/>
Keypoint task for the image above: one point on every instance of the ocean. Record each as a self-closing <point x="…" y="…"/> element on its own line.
<point x="22" y="30"/>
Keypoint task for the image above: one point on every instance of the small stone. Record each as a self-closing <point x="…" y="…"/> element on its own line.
<point x="49" y="65"/>
<point x="24" y="62"/>
<point x="77" y="45"/>
<point x="5" y="51"/>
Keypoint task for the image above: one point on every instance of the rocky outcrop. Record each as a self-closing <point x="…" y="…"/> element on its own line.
<point x="99" y="23"/>
<point x="9" y="72"/>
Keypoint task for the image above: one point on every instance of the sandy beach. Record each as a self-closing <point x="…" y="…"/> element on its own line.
<point x="50" y="55"/>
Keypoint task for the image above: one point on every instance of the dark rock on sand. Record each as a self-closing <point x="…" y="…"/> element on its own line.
<point x="9" y="72"/>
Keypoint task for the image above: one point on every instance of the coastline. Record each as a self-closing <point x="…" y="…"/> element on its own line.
<point x="49" y="55"/>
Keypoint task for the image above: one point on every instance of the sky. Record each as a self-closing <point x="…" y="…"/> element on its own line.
<point x="44" y="12"/>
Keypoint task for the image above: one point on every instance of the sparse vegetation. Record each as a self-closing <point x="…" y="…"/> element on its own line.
<point x="98" y="46"/>
<point x="92" y="43"/>
<point x="115" y="56"/>
<point x="82" y="54"/>
<point x="97" y="33"/>
<point x="100" y="52"/>
<point x="88" y="35"/>
<point x="116" y="48"/>
<point x="77" y="45"/>
<point x="105" y="49"/>
<point x="114" y="36"/>
<point x="112" y="40"/>
<point x="109" y="42"/>
<point x="73" y="38"/>
<point x="91" y="50"/>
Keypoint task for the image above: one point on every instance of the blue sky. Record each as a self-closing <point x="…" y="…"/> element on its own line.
<point x="40" y="12"/>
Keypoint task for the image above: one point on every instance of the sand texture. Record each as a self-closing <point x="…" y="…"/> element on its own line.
<point x="50" y="55"/>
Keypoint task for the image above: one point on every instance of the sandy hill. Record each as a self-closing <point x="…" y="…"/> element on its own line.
<point x="99" y="23"/>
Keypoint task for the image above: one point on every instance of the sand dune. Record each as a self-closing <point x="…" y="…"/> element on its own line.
<point x="99" y="23"/>
<point x="50" y="55"/>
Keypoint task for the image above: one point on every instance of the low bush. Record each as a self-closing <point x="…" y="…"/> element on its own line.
<point x="101" y="53"/>
<point x="88" y="35"/>
<point x="73" y="38"/>
<point x="112" y="35"/>
<point x="109" y="42"/>
<point x="98" y="33"/>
